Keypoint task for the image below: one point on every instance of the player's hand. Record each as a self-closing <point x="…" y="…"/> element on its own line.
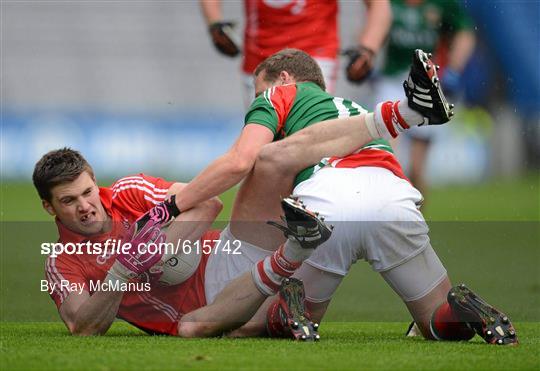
<point x="139" y="258"/>
<point x="223" y="38"/>
<point x="360" y="63"/>
<point x="145" y="231"/>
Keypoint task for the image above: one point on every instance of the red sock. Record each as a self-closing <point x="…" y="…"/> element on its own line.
<point x="271" y="271"/>
<point x="274" y="326"/>
<point x="445" y="325"/>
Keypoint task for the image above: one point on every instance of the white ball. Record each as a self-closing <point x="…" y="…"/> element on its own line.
<point x="179" y="268"/>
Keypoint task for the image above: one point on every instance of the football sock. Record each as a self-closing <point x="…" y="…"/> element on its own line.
<point x="272" y="270"/>
<point x="274" y="326"/>
<point x="294" y="252"/>
<point x="391" y="118"/>
<point x="445" y="325"/>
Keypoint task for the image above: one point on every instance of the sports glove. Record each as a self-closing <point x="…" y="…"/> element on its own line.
<point x="146" y="230"/>
<point x="360" y="63"/>
<point x="222" y="37"/>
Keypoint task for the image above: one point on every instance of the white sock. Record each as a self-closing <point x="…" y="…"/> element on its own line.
<point x="411" y="117"/>
<point x="293" y="252"/>
<point x="391" y="118"/>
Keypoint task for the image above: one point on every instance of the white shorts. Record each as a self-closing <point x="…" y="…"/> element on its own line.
<point x="375" y="216"/>
<point x="329" y="69"/>
<point x="224" y="267"/>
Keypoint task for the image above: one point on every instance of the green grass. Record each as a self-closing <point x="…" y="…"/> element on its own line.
<point x="367" y="346"/>
<point x="500" y="200"/>
<point x="487" y="235"/>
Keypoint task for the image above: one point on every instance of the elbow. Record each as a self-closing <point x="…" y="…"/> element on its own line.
<point x="241" y="167"/>
<point x="81" y="330"/>
<point x="196" y="329"/>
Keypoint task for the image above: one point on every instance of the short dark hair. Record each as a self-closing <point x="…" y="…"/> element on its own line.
<point x="296" y="62"/>
<point x="57" y="167"/>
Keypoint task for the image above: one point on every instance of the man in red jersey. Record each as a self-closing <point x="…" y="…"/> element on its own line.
<point x="91" y="290"/>
<point x="85" y="212"/>
<point x="310" y="25"/>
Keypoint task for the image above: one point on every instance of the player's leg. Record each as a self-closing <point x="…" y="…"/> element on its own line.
<point x="397" y="246"/>
<point x="280" y="161"/>
<point x="248" y="85"/>
<point x="268" y="321"/>
<point x="442" y="312"/>
<point x="329" y="69"/>
<point x="237" y="303"/>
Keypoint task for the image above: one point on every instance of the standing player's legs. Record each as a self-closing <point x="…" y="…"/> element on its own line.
<point x="329" y="69"/>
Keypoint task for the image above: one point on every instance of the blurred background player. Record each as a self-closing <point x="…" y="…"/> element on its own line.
<point x="431" y="25"/>
<point x="308" y="25"/>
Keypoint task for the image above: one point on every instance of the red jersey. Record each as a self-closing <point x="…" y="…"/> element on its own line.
<point x="272" y="25"/>
<point x="154" y="311"/>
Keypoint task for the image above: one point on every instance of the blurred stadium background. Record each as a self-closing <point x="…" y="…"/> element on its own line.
<point x="137" y="86"/>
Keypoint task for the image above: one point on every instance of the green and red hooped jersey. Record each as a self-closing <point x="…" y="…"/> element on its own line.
<point x="289" y="108"/>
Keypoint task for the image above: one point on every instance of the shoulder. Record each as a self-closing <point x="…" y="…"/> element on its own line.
<point x="141" y="183"/>
<point x="138" y="193"/>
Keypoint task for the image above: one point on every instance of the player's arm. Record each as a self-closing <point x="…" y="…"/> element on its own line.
<point x="211" y="10"/>
<point x="220" y="31"/>
<point x="227" y="170"/>
<point x="90" y="315"/>
<point x="370" y="40"/>
<point x="425" y="104"/>
<point x="461" y="49"/>
<point x="377" y="24"/>
<point x="459" y="26"/>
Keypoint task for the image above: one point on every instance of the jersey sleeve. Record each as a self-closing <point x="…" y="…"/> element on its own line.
<point x="61" y="272"/>
<point x="272" y="107"/>
<point x="139" y="193"/>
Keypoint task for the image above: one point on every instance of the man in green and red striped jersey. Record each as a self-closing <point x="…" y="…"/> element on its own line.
<point x="358" y="186"/>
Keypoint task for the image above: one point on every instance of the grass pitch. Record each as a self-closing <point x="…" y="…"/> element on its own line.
<point x="487" y="235"/>
<point x="366" y="346"/>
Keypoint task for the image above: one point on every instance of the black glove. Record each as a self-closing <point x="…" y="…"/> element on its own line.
<point x="222" y="37"/>
<point x="360" y="63"/>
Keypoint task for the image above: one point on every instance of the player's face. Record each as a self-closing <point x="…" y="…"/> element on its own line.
<point x="78" y="206"/>
<point x="261" y="84"/>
